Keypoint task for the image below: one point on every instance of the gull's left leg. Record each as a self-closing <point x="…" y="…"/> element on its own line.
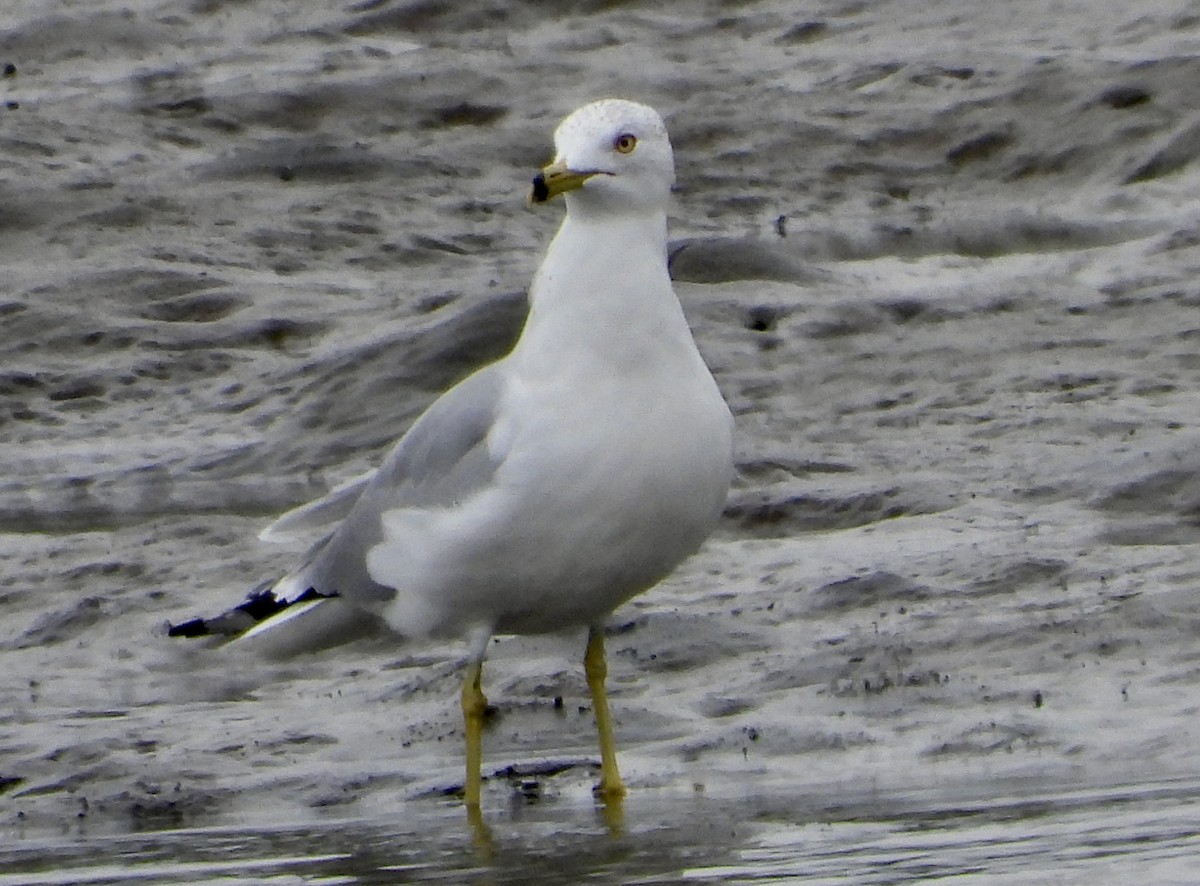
<point x="596" y="668"/>
<point x="474" y="706"/>
<point x="474" y="703"/>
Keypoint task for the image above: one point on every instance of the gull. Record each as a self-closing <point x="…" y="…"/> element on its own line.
<point x="549" y="487"/>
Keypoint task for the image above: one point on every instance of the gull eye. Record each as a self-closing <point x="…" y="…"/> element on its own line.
<point x="625" y="143"/>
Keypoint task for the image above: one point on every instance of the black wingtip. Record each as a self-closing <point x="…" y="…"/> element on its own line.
<point x="197" y="627"/>
<point x="259" y="605"/>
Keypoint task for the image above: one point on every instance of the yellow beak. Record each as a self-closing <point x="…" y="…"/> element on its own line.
<point x="555" y="179"/>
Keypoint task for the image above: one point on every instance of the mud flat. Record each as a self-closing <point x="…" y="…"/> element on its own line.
<point x="942" y="257"/>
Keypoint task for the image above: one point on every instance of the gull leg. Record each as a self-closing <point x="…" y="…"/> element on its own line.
<point x="596" y="668"/>
<point x="473" y="705"/>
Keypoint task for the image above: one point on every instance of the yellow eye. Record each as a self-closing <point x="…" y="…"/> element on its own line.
<point x="625" y="143"/>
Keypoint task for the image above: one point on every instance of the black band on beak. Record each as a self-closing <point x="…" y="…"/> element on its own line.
<point x="540" y="193"/>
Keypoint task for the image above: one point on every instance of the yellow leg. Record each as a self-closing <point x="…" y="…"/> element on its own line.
<point x="596" y="669"/>
<point x="473" y="704"/>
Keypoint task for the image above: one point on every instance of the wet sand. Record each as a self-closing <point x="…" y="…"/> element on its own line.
<point x="941" y="257"/>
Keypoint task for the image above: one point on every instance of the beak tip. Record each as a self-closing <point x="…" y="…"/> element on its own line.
<point x="539" y="192"/>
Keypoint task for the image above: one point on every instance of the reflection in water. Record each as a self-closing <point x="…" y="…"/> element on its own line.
<point x="1149" y="831"/>
<point x="610" y="809"/>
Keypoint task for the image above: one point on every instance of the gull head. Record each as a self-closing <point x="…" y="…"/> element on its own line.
<point x="609" y="156"/>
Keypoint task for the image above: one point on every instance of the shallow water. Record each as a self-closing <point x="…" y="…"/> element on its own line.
<point x="1026" y="833"/>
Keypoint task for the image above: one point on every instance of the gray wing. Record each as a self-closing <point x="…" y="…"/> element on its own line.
<point x="324" y="511"/>
<point x="442" y="459"/>
<point x="444" y="456"/>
